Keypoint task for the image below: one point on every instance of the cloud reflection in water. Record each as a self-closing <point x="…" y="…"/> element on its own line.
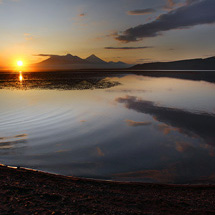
<point x="14" y="142"/>
<point x="201" y="124"/>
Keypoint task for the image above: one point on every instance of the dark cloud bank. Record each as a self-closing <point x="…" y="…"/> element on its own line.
<point x="195" y="13"/>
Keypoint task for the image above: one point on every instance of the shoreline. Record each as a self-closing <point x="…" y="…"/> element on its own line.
<point x="25" y="191"/>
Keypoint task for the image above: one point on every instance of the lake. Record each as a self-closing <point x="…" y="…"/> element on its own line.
<point x="124" y="126"/>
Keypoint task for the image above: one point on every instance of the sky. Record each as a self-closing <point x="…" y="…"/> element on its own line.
<point x="133" y="31"/>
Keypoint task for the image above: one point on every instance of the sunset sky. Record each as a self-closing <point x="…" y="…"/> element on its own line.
<point x="133" y="31"/>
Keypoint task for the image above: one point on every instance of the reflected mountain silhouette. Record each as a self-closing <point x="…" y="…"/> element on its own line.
<point x="208" y="76"/>
<point x="56" y="80"/>
<point x="189" y="64"/>
<point x="201" y="124"/>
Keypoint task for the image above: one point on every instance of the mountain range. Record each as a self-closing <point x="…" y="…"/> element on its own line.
<point x="191" y="64"/>
<point x="68" y="62"/>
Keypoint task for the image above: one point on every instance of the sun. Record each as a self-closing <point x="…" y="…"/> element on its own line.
<point x="19" y="63"/>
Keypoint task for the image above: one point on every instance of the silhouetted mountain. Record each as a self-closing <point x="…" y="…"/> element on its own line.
<point x="69" y="62"/>
<point x="119" y="64"/>
<point x="67" y="59"/>
<point x="192" y="64"/>
<point x="94" y="59"/>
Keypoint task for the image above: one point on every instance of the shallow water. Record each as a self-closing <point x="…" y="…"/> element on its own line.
<point x="111" y="125"/>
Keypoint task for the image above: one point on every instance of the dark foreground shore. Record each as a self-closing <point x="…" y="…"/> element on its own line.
<point x="31" y="192"/>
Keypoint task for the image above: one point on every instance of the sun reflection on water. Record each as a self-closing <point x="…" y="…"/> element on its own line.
<point x="20" y="76"/>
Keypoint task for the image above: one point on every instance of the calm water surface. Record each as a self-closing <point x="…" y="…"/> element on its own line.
<point x="114" y="126"/>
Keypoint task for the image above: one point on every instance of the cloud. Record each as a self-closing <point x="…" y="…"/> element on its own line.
<point x="141" y="12"/>
<point x="196" y="13"/>
<point x="170" y="4"/>
<point x="188" y="2"/>
<point x="111" y="34"/>
<point x="183" y="147"/>
<point x="100" y="152"/>
<point x="165" y="129"/>
<point x="136" y="124"/>
<point x="45" y="55"/>
<point x="82" y="14"/>
<point x="28" y="36"/>
<point x="129" y="48"/>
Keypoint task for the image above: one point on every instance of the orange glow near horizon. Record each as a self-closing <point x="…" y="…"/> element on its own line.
<point x="19" y="65"/>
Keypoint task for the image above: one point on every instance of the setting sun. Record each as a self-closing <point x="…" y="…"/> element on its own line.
<point x="19" y="63"/>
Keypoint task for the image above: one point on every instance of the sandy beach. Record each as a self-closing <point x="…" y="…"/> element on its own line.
<point x="25" y="191"/>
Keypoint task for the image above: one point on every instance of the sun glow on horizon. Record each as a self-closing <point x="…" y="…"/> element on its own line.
<point x="19" y="63"/>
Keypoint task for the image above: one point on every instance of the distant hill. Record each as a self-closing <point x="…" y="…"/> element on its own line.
<point x="69" y="62"/>
<point x="118" y="64"/>
<point x="67" y="59"/>
<point x="192" y="64"/>
<point x="96" y="60"/>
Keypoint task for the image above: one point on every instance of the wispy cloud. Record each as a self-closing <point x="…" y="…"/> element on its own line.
<point x="28" y="36"/>
<point x="136" y="124"/>
<point x="184" y="147"/>
<point x="141" y="12"/>
<point x="82" y="14"/>
<point x="192" y="14"/>
<point x="170" y="4"/>
<point x="45" y="55"/>
<point x="129" y="48"/>
<point x="100" y="152"/>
